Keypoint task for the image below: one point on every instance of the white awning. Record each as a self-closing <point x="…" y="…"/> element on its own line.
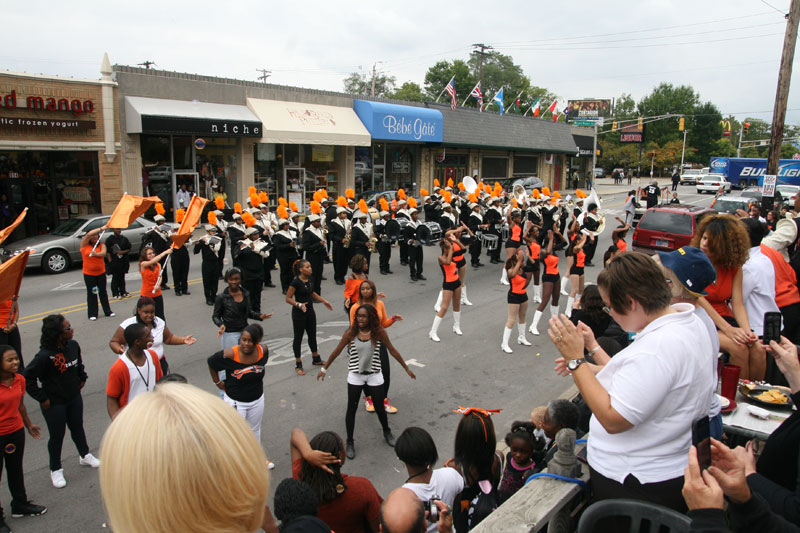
<point x="300" y="123"/>
<point x="159" y="115"/>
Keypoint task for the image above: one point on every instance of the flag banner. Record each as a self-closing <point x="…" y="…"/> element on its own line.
<point x="11" y="273"/>
<point x="129" y="209"/>
<point x="553" y="106"/>
<point x="537" y="107"/>
<point x="498" y="99"/>
<point x="451" y="90"/>
<point x="517" y="102"/>
<point x="476" y="94"/>
<point x="190" y="221"/>
<point x="8" y="230"/>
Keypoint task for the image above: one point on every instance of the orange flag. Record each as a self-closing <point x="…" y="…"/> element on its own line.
<point x="129" y="209"/>
<point x="11" y="275"/>
<point x="8" y="230"/>
<point x="190" y="221"/>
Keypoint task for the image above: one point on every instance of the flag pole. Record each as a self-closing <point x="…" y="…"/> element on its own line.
<point x="157" y="284"/>
<point x="98" y="240"/>
<point x="526" y="112"/>
<point x="465" y="99"/>
<point x="443" y="89"/>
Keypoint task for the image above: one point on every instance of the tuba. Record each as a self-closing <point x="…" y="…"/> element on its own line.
<point x="594" y="199"/>
<point x="519" y="195"/>
<point x="470" y="185"/>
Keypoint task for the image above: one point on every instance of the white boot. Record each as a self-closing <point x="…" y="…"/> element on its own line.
<point x="457" y="322"/>
<point x="521" y="338"/>
<point x="438" y="304"/>
<point x="570" y="303"/>
<point x="506" y="335"/>
<point x="578" y="299"/>
<point x="564" y="282"/>
<point x="504" y="277"/>
<point x="537" y="294"/>
<point x="464" y="299"/>
<point x="536" y="317"/>
<point x="435" y="328"/>
<point x="553" y="311"/>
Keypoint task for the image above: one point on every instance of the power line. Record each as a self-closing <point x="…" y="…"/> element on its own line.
<point x="264" y="74"/>
<point x="563" y="48"/>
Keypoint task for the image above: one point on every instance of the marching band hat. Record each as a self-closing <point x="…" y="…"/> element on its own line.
<point x="209" y="227"/>
<point x="412" y="210"/>
<point x="340" y="210"/>
<point x="359" y="214"/>
<point x="250" y="231"/>
<point x="237" y="215"/>
<point x="384" y="213"/>
<point x="159" y="218"/>
<point x="312" y="218"/>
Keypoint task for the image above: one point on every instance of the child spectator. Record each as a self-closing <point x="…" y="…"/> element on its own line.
<point x="519" y="461"/>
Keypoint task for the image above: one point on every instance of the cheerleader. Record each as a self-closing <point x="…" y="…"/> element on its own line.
<point x="287" y="252"/>
<point x="514" y="241"/>
<point x="619" y="234"/>
<point x="549" y="282"/>
<point x="209" y="246"/>
<point x="459" y="248"/>
<point x="517" y="299"/>
<point x="576" y="275"/>
<point x="451" y="291"/>
<point x="301" y="297"/>
<point x="532" y="262"/>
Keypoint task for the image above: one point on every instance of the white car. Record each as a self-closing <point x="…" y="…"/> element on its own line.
<point x="712" y="183"/>
<point x="690" y="176"/>
<point x="788" y="192"/>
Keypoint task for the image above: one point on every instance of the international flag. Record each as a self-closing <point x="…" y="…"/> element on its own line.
<point x="498" y="99"/>
<point x="190" y="221"/>
<point x="553" y="106"/>
<point x="478" y="95"/>
<point x="537" y="108"/>
<point x="8" y="230"/>
<point x="451" y="90"/>
<point x="129" y="209"/>
<point x="517" y="101"/>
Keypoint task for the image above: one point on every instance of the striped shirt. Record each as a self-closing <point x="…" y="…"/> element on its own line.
<point x="364" y="358"/>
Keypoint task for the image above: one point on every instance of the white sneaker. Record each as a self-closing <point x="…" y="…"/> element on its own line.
<point x="457" y="330"/>
<point x="270" y="465"/>
<point x="523" y="341"/>
<point x="57" y="477"/>
<point x="113" y="314"/>
<point x="89" y="460"/>
<point x="92" y="318"/>
<point x="433" y="336"/>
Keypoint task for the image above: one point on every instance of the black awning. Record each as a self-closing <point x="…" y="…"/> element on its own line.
<point x="585" y="144"/>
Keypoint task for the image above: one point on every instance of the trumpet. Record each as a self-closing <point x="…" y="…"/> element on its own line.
<point x="372" y="245"/>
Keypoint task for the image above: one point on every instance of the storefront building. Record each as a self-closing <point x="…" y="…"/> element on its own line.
<point x="580" y="165"/>
<point x="58" y="149"/>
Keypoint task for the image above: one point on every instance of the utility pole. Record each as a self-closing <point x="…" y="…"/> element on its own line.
<point x="782" y="95"/>
<point x="481" y="55"/>
<point x="374" y="75"/>
<point x="147" y="64"/>
<point x="264" y="74"/>
<point x="594" y="151"/>
<point x="739" y="148"/>
<point x="683" y="151"/>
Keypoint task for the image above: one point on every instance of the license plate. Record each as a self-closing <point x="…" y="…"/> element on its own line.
<point x="659" y="242"/>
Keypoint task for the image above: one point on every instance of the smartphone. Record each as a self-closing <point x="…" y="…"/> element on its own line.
<point x="772" y="327"/>
<point x="701" y="438"/>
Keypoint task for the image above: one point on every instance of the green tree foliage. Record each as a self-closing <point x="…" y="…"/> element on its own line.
<point x="409" y="91"/>
<point x="787" y="151"/>
<point x="361" y="83"/>
<point x="439" y="74"/>
<point x="667" y="99"/>
<point x="704" y="131"/>
<point x="624" y="107"/>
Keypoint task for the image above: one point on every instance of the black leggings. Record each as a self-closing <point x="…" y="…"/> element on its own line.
<point x="96" y="288"/>
<point x="12" y="448"/>
<point x="59" y="417"/>
<point x="159" y="303"/>
<point x="304" y="322"/>
<point x="353" y="399"/>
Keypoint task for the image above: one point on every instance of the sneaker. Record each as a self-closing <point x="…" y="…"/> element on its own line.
<point x="368" y="405"/>
<point x="27" y="509"/>
<point x="89" y="460"/>
<point x="270" y="465"/>
<point x="350" y="449"/>
<point x="92" y="318"/>
<point x="113" y="314"/>
<point x="388" y="437"/>
<point x="389" y="408"/>
<point x="57" y="477"/>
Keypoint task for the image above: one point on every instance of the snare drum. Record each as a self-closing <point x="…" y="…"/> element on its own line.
<point x="505" y="233"/>
<point x="395" y="226"/>
<point x="489" y="241"/>
<point x="429" y="233"/>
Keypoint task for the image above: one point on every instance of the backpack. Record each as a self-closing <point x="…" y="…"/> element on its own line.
<point x="474" y="504"/>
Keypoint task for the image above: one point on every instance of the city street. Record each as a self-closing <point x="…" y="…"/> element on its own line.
<point x="468" y="370"/>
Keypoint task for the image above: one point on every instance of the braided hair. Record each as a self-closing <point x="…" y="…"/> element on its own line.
<point x="327" y="487"/>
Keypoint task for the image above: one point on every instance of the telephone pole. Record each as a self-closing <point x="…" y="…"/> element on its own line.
<point x="374" y="75"/>
<point x="147" y="64"/>
<point x="264" y="74"/>
<point x="782" y="94"/>
<point x="481" y="54"/>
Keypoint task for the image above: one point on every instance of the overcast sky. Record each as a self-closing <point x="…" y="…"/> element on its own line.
<point x="728" y="50"/>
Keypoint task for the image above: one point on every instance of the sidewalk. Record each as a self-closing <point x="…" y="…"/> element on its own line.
<point x="605" y="186"/>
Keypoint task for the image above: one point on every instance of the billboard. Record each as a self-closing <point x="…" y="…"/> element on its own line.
<point x="631" y="134"/>
<point x="588" y="109"/>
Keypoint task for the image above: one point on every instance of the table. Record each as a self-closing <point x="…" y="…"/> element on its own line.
<point x="741" y="422"/>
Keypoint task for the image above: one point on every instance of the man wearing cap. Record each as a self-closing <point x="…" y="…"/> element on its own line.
<point x="314" y="248"/>
<point x="414" y="246"/>
<point x="448" y="219"/>
<point x="180" y="269"/>
<point x="294" y="229"/>
<point x="384" y="243"/>
<point x="360" y="236"/>
<point x="329" y="210"/>
<point x="337" y="232"/>
<point x="402" y="212"/>
<point x="209" y="245"/>
<point x="286" y="250"/>
<point x="158" y="239"/>
<point x="236" y="235"/>
<point x="249" y="255"/>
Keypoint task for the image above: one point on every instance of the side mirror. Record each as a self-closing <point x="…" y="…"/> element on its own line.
<point x="82" y="234"/>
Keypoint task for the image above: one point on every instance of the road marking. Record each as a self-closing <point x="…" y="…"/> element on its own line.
<point x="335" y="324"/>
<point x="414" y="362"/>
<point x="70" y="286"/>
<point x="280" y="349"/>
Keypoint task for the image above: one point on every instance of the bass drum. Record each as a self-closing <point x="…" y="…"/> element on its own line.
<point x="394" y="228"/>
<point x="429" y="233"/>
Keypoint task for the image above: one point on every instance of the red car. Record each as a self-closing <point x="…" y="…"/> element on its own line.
<point x="668" y="227"/>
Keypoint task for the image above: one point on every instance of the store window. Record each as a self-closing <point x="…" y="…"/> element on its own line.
<point x="401" y="163"/>
<point x="157" y="166"/>
<point x="218" y="165"/>
<point x="321" y="163"/>
<point x="494" y="167"/>
<point x="526" y="165"/>
<point x="267" y="169"/>
<point x="454" y="166"/>
<point x="363" y="174"/>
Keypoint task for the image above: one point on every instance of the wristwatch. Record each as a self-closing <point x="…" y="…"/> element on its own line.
<point x="575" y="363"/>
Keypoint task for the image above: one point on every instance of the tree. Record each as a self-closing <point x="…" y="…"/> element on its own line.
<point x="624" y="108"/>
<point x="409" y="91"/>
<point x="787" y="151"/>
<point x="361" y="83"/>
<point x="438" y="76"/>
<point x="499" y="70"/>
<point x="667" y="99"/>
<point x="705" y="129"/>
<point x="723" y="148"/>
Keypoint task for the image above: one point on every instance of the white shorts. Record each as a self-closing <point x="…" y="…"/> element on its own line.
<point x="372" y="380"/>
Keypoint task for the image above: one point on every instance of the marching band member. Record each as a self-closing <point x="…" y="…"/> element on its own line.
<point x="158" y="239"/>
<point x="209" y="245"/>
<point x="384" y="243"/>
<point x="360" y="235"/>
<point x="180" y="269"/>
<point x="549" y="282"/>
<point x="294" y="229"/>
<point x="236" y="235"/>
<point x="402" y="212"/>
<point x="591" y="222"/>
<point x="451" y="291"/>
<point x="250" y="255"/>
<point x="314" y="243"/>
<point x="414" y="246"/>
<point x="338" y="230"/>
<point x="477" y="226"/>
<point x="448" y="219"/>
<point x="286" y="250"/>
<point x="517" y="299"/>
<point x="264" y="227"/>
<point x="222" y="226"/>
<point x="329" y="213"/>
<point x="494" y="218"/>
<point x="572" y="235"/>
<point x="532" y="262"/>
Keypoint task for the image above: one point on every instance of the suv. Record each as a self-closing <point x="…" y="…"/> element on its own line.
<point x="690" y="176"/>
<point x="668" y="227"/>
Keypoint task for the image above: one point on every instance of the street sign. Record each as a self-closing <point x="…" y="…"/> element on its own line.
<point x="770" y="181"/>
<point x="584" y="123"/>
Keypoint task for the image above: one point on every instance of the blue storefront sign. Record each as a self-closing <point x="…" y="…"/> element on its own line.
<point x="392" y="122"/>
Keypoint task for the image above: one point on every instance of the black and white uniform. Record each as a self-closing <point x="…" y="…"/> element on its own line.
<point x="590" y="223"/>
<point x="414" y="248"/>
<point x="222" y="231"/>
<point x="359" y="240"/>
<point x="210" y="265"/>
<point x="314" y="248"/>
<point x="283" y="242"/>
<point x="337" y="230"/>
<point x="447" y="221"/>
<point x="265" y="234"/>
<point x="329" y="216"/>
<point x="403" y="243"/>
<point x="384" y="244"/>
<point x="475" y="220"/>
<point x="236" y="235"/>
<point x="250" y="257"/>
<point x="494" y="217"/>
<point x="119" y="264"/>
<point x="180" y="269"/>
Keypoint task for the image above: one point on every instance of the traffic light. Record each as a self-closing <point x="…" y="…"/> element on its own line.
<point x="681" y="124"/>
<point x="746" y="127"/>
<point x="614" y="126"/>
<point x="641" y="123"/>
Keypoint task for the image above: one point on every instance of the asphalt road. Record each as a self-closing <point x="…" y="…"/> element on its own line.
<point x="469" y="370"/>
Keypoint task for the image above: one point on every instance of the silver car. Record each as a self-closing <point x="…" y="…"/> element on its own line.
<point x="56" y="251"/>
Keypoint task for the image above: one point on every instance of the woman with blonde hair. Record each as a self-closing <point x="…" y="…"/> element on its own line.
<point x="724" y="239"/>
<point x="167" y="478"/>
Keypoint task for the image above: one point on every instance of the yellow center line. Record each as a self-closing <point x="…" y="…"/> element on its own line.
<point x="29" y="319"/>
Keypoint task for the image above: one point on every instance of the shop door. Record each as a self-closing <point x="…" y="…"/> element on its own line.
<point x="294" y="183"/>
<point x="557" y="178"/>
<point x="192" y="182"/>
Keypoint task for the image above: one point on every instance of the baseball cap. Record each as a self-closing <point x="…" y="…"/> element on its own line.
<point x="692" y="268"/>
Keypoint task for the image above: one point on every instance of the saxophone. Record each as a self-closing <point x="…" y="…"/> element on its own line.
<point x="372" y="245"/>
<point x="347" y="238"/>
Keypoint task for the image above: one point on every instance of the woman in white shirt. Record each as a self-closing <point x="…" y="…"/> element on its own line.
<point x="644" y="400"/>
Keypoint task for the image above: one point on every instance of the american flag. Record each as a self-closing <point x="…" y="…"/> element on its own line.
<point x="476" y="93"/>
<point x="451" y="90"/>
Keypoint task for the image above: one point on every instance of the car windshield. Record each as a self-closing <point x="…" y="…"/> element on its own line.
<point x="752" y="194"/>
<point x="691" y="172"/>
<point x="667" y="222"/>
<point x="729" y="206"/>
<point x="69" y="227"/>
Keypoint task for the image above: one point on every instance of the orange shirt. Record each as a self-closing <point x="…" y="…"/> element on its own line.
<point x="533" y="250"/>
<point x="580" y="258"/>
<point x="450" y="272"/>
<point x="93" y="266"/>
<point x="379" y="307"/>
<point x="516" y="233"/>
<point x="518" y="284"/>
<point x="785" y="278"/>
<point x="622" y="245"/>
<point x="551" y="264"/>
<point x="149" y="278"/>
<point x="10" y="398"/>
<point x="5" y="311"/>
<point x="458" y="252"/>
<point x="351" y="288"/>
<point x="719" y="292"/>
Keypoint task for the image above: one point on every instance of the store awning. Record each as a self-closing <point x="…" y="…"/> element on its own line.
<point x="301" y="123"/>
<point x="585" y="145"/>
<point x="393" y="122"/>
<point x="159" y="115"/>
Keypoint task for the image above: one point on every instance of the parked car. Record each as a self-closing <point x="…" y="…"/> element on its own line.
<point x="730" y="204"/>
<point x="690" y="176"/>
<point x="712" y="183"/>
<point x="668" y="227"/>
<point x="529" y="183"/>
<point x="599" y="173"/>
<point x="372" y="196"/>
<point x="788" y="192"/>
<point x="56" y="251"/>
